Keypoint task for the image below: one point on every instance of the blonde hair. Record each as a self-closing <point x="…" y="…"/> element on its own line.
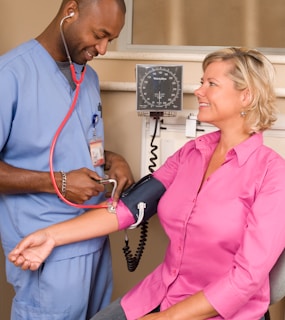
<point x="253" y="71"/>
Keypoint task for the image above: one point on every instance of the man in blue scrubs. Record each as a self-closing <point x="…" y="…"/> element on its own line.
<point x="37" y="90"/>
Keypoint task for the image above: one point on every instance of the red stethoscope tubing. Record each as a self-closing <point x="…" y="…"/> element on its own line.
<point x="55" y="138"/>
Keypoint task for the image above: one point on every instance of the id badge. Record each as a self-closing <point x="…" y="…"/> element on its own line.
<point x="96" y="146"/>
<point x="97" y="152"/>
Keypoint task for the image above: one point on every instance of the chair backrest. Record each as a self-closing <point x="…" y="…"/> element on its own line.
<point x="277" y="280"/>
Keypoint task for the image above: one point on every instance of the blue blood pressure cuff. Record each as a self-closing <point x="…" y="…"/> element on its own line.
<point x="148" y="191"/>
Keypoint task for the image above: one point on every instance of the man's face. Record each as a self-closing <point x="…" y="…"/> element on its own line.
<point x="92" y="28"/>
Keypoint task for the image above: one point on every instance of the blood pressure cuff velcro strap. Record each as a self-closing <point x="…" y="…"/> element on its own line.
<point x="148" y="190"/>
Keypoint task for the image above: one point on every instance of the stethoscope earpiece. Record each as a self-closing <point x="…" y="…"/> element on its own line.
<point x="70" y="15"/>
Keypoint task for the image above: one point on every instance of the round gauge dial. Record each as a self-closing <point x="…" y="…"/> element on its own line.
<point x="159" y="87"/>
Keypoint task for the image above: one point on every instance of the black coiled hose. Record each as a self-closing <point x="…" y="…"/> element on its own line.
<point x="133" y="260"/>
<point x="153" y="148"/>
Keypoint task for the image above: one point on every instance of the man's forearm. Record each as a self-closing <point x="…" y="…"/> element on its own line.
<point x="16" y="180"/>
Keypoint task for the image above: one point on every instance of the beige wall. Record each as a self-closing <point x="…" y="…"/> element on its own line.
<point x="178" y="22"/>
<point x="20" y="20"/>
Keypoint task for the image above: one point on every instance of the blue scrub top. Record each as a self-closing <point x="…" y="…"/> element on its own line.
<point x="35" y="98"/>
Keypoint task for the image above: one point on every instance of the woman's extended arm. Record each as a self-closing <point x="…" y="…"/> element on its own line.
<point x="32" y="251"/>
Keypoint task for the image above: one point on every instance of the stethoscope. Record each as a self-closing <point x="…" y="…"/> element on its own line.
<point x="61" y="126"/>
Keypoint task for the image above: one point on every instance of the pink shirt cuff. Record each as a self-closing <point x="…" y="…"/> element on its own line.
<point x="125" y="217"/>
<point x="226" y="301"/>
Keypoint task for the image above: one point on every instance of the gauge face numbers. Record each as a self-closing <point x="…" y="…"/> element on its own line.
<point x="159" y="87"/>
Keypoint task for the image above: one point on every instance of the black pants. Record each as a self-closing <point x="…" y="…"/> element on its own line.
<point x="114" y="311"/>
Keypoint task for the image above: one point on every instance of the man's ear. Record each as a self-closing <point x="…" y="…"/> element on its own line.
<point x="71" y="8"/>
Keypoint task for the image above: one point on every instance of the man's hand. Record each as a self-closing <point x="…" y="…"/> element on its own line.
<point x="119" y="170"/>
<point x="82" y="184"/>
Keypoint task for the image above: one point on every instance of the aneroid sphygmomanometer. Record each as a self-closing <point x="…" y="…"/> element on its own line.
<point x="141" y="198"/>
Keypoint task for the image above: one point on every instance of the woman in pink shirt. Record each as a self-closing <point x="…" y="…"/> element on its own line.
<point x="221" y="205"/>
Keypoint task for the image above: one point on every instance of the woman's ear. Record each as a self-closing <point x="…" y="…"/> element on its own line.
<point x="246" y="97"/>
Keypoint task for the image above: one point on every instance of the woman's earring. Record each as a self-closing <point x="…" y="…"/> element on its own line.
<point x="243" y="114"/>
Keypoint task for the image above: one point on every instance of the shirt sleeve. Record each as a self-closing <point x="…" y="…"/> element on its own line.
<point x="262" y="243"/>
<point x="8" y="104"/>
<point x="125" y="217"/>
<point x="167" y="172"/>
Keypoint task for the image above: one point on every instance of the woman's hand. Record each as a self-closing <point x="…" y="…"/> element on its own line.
<point x="155" y="316"/>
<point x="195" y="307"/>
<point x="32" y="251"/>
